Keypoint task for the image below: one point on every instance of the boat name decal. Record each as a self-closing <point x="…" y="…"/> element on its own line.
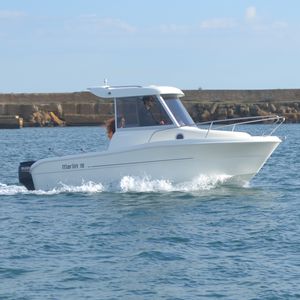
<point x="72" y="166"/>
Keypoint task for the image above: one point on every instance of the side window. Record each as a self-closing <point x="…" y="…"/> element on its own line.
<point x="127" y="112"/>
<point x="152" y="113"/>
<point x="141" y="111"/>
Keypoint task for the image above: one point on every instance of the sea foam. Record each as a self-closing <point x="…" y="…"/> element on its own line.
<point x="126" y="184"/>
<point x="201" y="183"/>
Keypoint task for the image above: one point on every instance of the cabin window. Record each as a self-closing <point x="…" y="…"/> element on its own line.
<point x="178" y="110"/>
<point x="140" y="111"/>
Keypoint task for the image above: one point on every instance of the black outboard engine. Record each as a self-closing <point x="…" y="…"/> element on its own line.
<point x="24" y="174"/>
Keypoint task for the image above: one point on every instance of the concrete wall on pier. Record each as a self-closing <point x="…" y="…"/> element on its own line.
<point x="83" y="108"/>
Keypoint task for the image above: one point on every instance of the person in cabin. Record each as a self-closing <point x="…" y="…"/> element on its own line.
<point x="146" y="115"/>
<point x="110" y="127"/>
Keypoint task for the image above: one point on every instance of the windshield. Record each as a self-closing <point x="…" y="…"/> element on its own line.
<point x="178" y="110"/>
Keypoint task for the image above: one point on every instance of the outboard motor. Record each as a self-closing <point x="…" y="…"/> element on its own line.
<point x="24" y="174"/>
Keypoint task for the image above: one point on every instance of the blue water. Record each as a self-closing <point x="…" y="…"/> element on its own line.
<point x="148" y="239"/>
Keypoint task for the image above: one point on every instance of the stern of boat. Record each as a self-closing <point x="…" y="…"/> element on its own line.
<point x="25" y="177"/>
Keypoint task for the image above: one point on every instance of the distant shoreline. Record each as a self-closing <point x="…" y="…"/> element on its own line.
<point x="85" y="109"/>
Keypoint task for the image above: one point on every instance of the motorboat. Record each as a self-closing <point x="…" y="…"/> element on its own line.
<point x="156" y="137"/>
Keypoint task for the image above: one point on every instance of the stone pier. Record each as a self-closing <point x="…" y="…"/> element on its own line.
<point x="84" y="108"/>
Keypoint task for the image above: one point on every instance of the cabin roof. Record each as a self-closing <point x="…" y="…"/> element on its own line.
<point x="132" y="91"/>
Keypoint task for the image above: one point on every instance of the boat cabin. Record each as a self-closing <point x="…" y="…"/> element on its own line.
<point x="144" y="110"/>
<point x="137" y="106"/>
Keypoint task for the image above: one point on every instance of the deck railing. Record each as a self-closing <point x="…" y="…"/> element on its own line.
<point x="274" y="120"/>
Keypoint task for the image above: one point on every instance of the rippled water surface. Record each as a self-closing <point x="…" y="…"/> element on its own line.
<point x="148" y="239"/>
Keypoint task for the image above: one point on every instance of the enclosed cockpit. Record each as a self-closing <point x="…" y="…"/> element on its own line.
<point x="138" y="107"/>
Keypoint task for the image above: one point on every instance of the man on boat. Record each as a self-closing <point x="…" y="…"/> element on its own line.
<point x="147" y="114"/>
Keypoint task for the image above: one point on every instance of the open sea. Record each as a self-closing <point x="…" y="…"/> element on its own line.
<point x="146" y="239"/>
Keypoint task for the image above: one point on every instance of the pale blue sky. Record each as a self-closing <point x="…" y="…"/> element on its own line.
<point x="65" y="46"/>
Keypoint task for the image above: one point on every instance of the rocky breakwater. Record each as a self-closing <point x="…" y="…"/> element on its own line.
<point x="71" y="109"/>
<point x="84" y="108"/>
<point x="207" y="105"/>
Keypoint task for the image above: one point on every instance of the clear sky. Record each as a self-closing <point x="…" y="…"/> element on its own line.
<point x="69" y="45"/>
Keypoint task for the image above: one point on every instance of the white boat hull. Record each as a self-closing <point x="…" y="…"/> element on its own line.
<point x="152" y="135"/>
<point x="177" y="161"/>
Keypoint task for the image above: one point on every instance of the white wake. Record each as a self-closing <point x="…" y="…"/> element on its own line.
<point x="127" y="184"/>
<point x="89" y="187"/>
<point x="201" y="183"/>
